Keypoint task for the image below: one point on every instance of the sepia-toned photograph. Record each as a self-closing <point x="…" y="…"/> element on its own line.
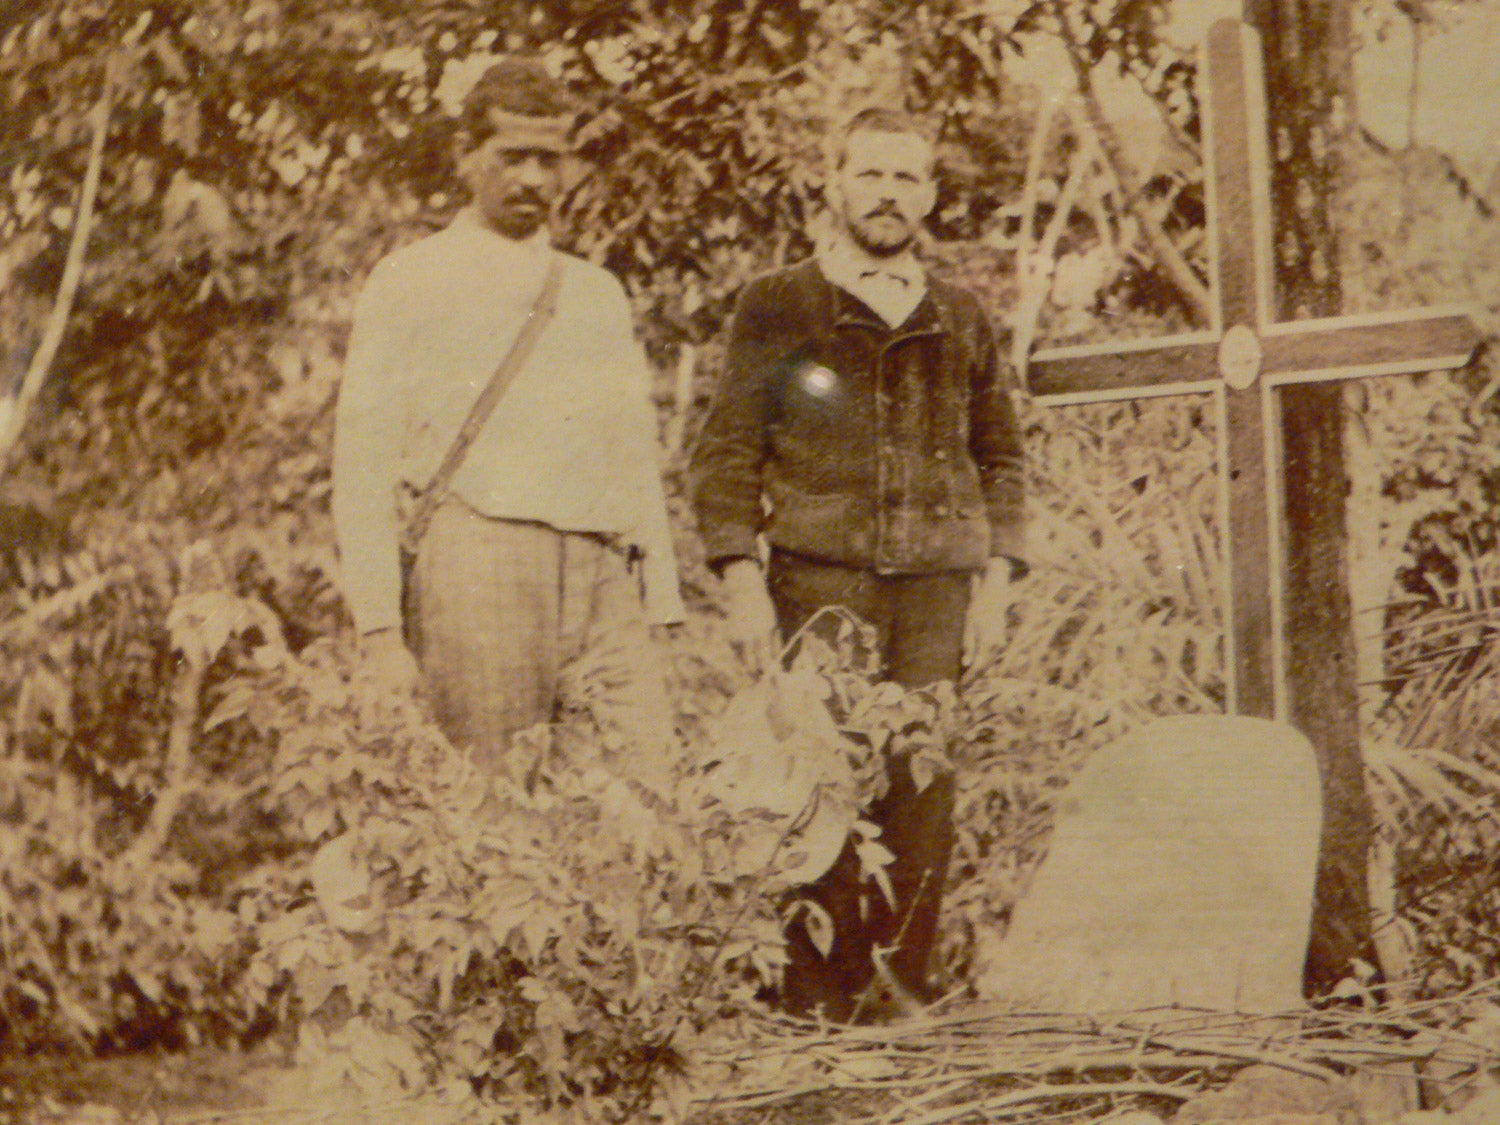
<point x="890" y="562"/>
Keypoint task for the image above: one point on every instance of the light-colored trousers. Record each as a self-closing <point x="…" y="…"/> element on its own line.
<point x="514" y="622"/>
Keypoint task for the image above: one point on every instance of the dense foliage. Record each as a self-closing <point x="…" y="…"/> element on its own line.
<point x="216" y="826"/>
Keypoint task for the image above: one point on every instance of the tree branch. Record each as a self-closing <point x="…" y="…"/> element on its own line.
<point x="57" y="321"/>
<point x="187" y="709"/>
<point x="1162" y="248"/>
<point x="1037" y="266"/>
<point x="1035" y="154"/>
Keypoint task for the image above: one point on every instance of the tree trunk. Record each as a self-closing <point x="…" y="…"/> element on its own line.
<point x="1309" y="113"/>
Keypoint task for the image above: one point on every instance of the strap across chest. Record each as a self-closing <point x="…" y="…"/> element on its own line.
<point x="537" y="319"/>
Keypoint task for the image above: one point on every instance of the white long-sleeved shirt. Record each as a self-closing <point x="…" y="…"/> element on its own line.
<point x="572" y="443"/>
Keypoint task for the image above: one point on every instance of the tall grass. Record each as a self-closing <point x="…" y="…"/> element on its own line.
<point x="1124" y="599"/>
<point x="1432" y="754"/>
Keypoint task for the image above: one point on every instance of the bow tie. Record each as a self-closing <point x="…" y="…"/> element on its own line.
<point x="885" y="275"/>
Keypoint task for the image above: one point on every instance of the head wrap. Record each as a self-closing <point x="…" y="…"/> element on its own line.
<point x="519" y="99"/>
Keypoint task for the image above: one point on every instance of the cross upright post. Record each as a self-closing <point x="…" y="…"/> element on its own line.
<point x="1243" y="357"/>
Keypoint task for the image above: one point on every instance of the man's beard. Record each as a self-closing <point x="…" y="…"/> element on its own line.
<point x="520" y="214"/>
<point x="876" y="243"/>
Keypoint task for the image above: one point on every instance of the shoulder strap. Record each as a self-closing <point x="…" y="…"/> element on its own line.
<point x="510" y="364"/>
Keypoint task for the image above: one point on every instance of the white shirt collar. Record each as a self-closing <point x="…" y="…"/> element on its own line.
<point x="893" y="287"/>
<point x="480" y="233"/>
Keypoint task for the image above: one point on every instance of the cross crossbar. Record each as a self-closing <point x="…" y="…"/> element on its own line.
<point x="1243" y="358"/>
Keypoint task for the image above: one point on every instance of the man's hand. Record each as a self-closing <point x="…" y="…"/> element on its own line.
<point x="752" y="620"/>
<point x="387" y="654"/>
<point x="984" y="628"/>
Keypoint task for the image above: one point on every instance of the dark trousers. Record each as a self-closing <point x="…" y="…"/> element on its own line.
<point x="919" y="622"/>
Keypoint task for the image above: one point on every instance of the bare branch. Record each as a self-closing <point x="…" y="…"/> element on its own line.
<point x="1037" y="265"/>
<point x="1162" y="248"/>
<point x="67" y="289"/>
<point x="1035" y="154"/>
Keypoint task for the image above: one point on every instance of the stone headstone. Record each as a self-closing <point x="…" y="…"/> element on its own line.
<point x="1180" y="872"/>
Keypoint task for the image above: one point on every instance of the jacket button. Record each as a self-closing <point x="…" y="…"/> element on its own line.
<point x="940" y="454"/>
<point x="888" y="450"/>
<point x="940" y="511"/>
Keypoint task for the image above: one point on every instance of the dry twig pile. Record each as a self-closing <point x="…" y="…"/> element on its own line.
<point x="992" y="1065"/>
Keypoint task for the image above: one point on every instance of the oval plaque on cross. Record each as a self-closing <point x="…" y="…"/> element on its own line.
<point x="1239" y="357"/>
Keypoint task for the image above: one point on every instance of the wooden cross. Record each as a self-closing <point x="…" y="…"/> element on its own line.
<point x="1243" y="358"/>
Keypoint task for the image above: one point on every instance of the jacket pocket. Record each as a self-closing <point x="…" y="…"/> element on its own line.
<point x="825" y="525"/>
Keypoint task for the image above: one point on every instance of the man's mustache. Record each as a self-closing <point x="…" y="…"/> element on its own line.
<point x="884" y="211"/>
<point x="526" y="198"/>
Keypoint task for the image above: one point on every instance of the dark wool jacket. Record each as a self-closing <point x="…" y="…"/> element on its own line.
<point x="843" y="439"/>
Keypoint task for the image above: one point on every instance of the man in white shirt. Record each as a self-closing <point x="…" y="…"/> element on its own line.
<point x="550" y="540"/>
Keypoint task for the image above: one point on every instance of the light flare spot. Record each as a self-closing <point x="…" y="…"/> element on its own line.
<point x="819" y="381"/>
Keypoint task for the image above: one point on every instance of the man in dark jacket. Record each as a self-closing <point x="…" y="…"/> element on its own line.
<point x="863" y="428"/>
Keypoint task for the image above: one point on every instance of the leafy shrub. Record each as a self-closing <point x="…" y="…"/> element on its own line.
<point x="272" y="840"/>
<point x="564" y="935"/>
<point x="101" y="945"/>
